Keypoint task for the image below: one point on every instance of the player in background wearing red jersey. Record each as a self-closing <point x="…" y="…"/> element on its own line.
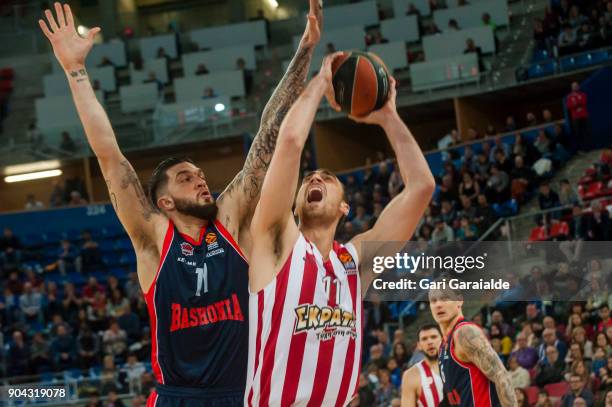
<point x="422" y="384"/>
<point x="306" y="290"/>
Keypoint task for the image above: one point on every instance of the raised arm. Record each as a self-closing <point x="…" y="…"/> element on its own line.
<point x="400" y="217"/>
<point x="242" y="193"/>
<point x="273" y="218"/>
<point x="472" y="346"/>
<point x="125" y="190"/>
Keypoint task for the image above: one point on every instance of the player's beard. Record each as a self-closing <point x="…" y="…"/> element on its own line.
<point x="207" y="212"/>
<point x="431" y="358"/>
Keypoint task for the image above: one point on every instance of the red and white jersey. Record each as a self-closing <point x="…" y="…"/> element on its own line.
<point x="305" y="331"/>
<point x="431" y="386"/>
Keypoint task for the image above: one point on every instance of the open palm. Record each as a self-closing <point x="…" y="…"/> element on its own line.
<point x="69" y="47"/>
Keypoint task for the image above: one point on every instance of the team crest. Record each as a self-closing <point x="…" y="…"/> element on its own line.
<point x="348" y="263"/>
<point x="187" y="249"/>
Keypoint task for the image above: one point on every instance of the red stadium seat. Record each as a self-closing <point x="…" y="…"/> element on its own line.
<point x="532" y="395"/>
<point x="6" y="86"/>
<point x="538" y="234"/>
<point x="594" y="190"/>
<point x="557" y="389"/>
<point x="559" y="229"/>
<point x="7" y="73"/>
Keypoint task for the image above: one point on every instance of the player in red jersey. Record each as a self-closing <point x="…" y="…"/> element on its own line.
<point x="422" y="384"/>
<point x="306" y="289"/>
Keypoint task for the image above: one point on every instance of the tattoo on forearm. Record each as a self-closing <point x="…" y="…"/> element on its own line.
<point x="250" y="179"/>
<point x="479" y="351"/>
<point x="113" y="197"/>
<point x="80" y="75"/>
<point x="130" y="179"/>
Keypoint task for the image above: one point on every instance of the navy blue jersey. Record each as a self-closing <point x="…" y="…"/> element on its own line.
<point x="464" y="383"/>
<point x="198" y="305"/>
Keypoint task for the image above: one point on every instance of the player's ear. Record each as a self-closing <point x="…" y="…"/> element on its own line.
<point x="345" y="208"/>
<point x="165" y="202"/>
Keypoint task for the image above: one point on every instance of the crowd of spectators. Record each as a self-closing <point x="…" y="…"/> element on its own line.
<point x="583" y="222"/>
<point x="569" y="27"/>
<point x="67" y="192"/>
<point x="100" y="330"/>
<point x="473" y="188"/>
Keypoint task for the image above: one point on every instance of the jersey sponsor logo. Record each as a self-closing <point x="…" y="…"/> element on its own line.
<point x="212" y="245"/>
<point x="326" y="322"/>
<point x="184" y="260"/>
<point x="186" y="249"/>
<point x="350" y="268"/>
<point x="224" y="310"/>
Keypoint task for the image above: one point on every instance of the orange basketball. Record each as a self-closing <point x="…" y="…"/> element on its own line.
<point x="361" y="82"/>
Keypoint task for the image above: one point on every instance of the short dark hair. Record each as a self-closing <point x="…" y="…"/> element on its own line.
<point x="427" y="327"/>
<point x="159" y="178"/>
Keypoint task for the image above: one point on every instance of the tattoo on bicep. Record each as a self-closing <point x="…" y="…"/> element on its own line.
<point x="130" y="179"/>
<point x="478" y="350"/>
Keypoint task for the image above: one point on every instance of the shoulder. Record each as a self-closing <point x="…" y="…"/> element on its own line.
<point x="411" y="378"/>
<point x="469" y="337"/>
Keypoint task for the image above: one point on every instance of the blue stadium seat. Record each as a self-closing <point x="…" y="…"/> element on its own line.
<point x="33" y="240"/>
<point x="51" y="237"/>
<point x="127" y="259"/>
<point x="591" y="58"/>
<point x="76" y="278"/>
<point x="540" y="55"/>
<point x="95" y="371"/>
<point x="120" y="273"/>
<point x="568" y="64"/>
<point x="47" y="377"/>
<point x="112" y="231"/>
<point x="541" y="69"/>
<point x="123" y="244"/>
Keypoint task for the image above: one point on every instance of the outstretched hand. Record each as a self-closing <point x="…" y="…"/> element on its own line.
<point x="69" y="47"/>
<point x="312" y="34"/>
<point x="381" y="115"/>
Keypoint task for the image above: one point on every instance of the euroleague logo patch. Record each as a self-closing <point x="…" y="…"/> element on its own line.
<point x="348" y="263"/>
<point x="211" y="238"/>
<point x="212" y="245"/>
<point x="187" y="249"/>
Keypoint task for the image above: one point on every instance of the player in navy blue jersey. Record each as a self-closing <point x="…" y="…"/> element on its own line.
<point x="189" y="247"/>
<point x="472" y="373"/>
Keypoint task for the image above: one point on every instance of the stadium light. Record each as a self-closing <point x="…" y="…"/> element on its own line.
<point x="273" y="3"/>
<point x="31" y="167"/>
<point x="219" y="107"/>
<point x="32" y="176"/>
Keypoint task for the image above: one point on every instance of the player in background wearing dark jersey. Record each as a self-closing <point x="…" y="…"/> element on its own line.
<point x="189" y="266"/>
<point x="422" y="384"/>
<point x="472" y="373"/>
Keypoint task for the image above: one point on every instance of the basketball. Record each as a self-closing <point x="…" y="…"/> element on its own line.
<point x="361" y="82"/>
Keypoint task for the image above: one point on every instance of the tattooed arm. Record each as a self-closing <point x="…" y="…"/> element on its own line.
<point x="246" y="186"/>
<point x="126" y="193"/>
<point x="471" y="345"/>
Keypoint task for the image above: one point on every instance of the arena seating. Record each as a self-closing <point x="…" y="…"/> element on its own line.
<point x="150" y="46"/>
<point x="449" y="44"/>
<point x="404" y="28"/>
<point x="250" y="33"/>
<point x="471" y="15"/>
<point x="219" y="59"/>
